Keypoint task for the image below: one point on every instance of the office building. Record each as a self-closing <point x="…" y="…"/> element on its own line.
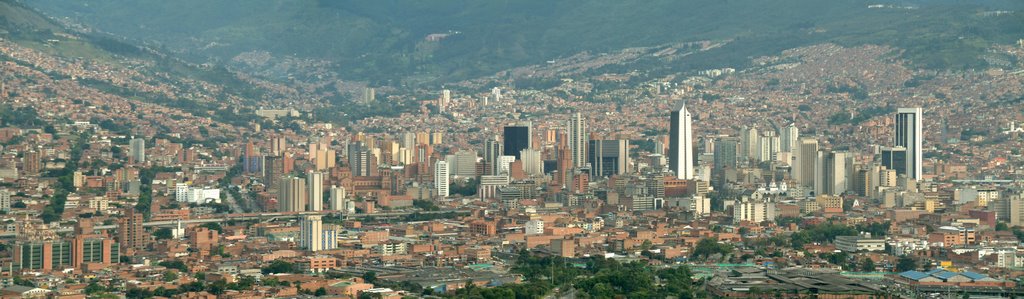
<point x="680" y="146"/>
<point x="464" y="163"/>
<point x="493" y="149"/>
<point x="359" y="159"/>
<point x="804" y="172"/>
<point x="895" y="158"/>
<point x="608" y="157"/>
<point x="836" y="171"/>
<point x="517" y="138"/>
<point x="908" y="134"/>
<point x="533" y="164"/>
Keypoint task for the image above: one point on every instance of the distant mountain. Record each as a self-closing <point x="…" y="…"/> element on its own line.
<point x="443" y="40"/>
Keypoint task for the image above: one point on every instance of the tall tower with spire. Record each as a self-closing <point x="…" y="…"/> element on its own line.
<point x="680" y="145"/>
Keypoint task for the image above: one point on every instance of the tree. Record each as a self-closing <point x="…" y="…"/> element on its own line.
<point x="709" y="246"/>
<point x="213" y="226"/>
<point x="1001" y="226"/>
<point x="320" y="292"/>
<point x="163" y="233"/>
<point x="906" y="263"/>
<point x="370" y="277"/>
<point x="170" y="276"/>
<point x="278" y="266"/>
<point x="94" y="288"/>
<point x="867" y="265"/>
<point x="174" y="264"/>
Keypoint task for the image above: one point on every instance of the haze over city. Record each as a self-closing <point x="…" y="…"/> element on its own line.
<point x="511" y="149"/>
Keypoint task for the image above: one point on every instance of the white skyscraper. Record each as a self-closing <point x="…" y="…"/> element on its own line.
<point x="443" y="102"/>
<point x="680" y="146"/>
<point x="909" y="135"/>
<point x="503" y="163"/>
<point x="138" y="150"/>
<point x="315" y="182"/>
<point x="750" y="145"/>
<point x="311" y="233"/>
<point x="790" y="138"/>
<point x="496" y="94"/>
<point x="578" y="140"/>
<point x="441" y="178"/>
<point x="533" y="164"/>
<point x="339" y="199"/>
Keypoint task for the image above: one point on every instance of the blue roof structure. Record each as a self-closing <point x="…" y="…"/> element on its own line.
<point x="944" y="275"/>
<point x="974" y="276"/>
<point x="914" y="275"/>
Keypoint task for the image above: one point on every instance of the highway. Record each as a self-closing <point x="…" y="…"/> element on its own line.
<point x="262" y="217"/>
<point x="283" y="215"/>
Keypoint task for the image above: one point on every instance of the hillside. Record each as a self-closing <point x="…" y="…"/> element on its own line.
<point x="385" y="40"/>
<point x="110" y="69"/>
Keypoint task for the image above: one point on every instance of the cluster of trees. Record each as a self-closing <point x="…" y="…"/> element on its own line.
<point x="708" y="247"/>
<point x="638" y="280"/>
<point x="590" y="278"/>
<point x="825" y="232"/>
<point x="280" y="266"/>
<point x="465" y="188"/>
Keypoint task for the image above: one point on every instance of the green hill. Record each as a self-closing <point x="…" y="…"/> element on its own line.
<point x="385" y="39"/>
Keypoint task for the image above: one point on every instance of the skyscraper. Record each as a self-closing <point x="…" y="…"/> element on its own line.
<point x="895" y="158"/>
<point x="725" y="153"/>
<point x="806" y="162"/>
<point x="836" y="169"/>
<point x="493" y="149"/>
<point x="358" y="159"/>
<point x="790" y="138"/>
<point x="608" y="157"/>
<point x="908" y="134"/>
<point x="749" y="144"/>
<point x="441" y="178"/>
<point x="680" y="147"/>
<point x="138" y="150"/>
<point x="578" y="140"/>
<point x="517" y="138"/>
<point x="292" y="196"/>
<point x="533" y="164"/>
<point x="252" y="162"/>
<point x="32" y="162"/>
<point x="442" y="102"/>
<point x="465" y="163"/>
<point x="312" y="233"/>
<point x="316" y="190"/>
